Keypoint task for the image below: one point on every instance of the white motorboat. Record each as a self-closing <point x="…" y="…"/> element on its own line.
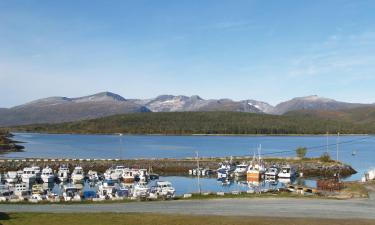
<point x="115" y="173"/>
<point x="272" y="172"/>
<point x="4" y="190"/>
<point x="11" y="177"/>
<point x="35" y="198"/>
<point x="38" y="173"/>
<point x="286" y="172"/>
<point x="77" y="175"/>
<point x="72" y="192"/>
<point x="106" y="189"/>
<point x="240" y="170"/>
<point x="225" y="170"/>
<point x="47" y="175"/>
<point x="92" y="175"/>
<point x="29" y="174"/>
<point x="141" y="175"/>
<point x="63" y="173"/>
<point x="165" y="189"/>
<point x="20" y="189"/>
<point x="141" y="190"/>
<point x="121" y="190"/>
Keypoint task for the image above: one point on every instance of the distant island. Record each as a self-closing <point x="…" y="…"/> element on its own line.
<point x="214" y="123"/>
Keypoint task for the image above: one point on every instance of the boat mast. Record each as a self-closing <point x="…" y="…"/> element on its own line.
<point x="259" y="151"/>
<point x="198" y="171"/>
<point x="121" y="147"/>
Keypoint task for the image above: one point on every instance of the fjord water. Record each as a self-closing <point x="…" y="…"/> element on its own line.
<point x="143" y="146"/>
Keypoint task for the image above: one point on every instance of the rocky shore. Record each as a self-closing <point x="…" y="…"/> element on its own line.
<point x="7" y="144"/>
<point x="169" y="166"/>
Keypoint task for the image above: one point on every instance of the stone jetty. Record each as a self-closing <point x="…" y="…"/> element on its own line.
<point x="168" y="166"/>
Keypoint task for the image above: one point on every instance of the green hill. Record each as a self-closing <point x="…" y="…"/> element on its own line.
<point x="181" y="123"/>
<point x="360" y="115"/>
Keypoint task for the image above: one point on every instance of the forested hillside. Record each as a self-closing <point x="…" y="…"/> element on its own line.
<point x="205" y="123"/>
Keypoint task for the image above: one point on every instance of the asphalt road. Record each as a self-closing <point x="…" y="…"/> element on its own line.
<point x="314" y="208"/>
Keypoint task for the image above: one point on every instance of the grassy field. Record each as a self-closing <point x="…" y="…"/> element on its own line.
<point x="157" y="219"/>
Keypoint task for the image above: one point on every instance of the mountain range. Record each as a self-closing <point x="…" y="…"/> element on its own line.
<point x="63" y="109"/>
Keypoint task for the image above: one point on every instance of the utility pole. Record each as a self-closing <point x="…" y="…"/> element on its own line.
<point x="121" y="146"/>
<point x="327" y="143"/>
<point x="199" y="174"/>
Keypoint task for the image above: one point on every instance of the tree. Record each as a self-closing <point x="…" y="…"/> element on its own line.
<point x="301" y="152"/>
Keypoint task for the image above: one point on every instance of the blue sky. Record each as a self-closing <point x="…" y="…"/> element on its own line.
<point x="265" y="50"/>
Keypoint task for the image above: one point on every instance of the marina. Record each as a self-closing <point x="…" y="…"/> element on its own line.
<point x="62" y="180"/>
<point x="72" y="146"/>
<point x="76" y="179"/>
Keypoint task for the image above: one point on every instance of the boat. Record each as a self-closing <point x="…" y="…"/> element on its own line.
<point x="141" y="190"/>
<point x="92" y="175"/>
<point x="11" y="177"/>
<point x="128" y="176"/>
<point x="122" y="190"/>
<point x="29" y="175"/>
<point x="77" y="175"/>
<point x="256" y="169"/>
<point x="141" y="175"/>
<point x="38" y="173"/>
<point x="255" y="172"/>
<point x="240" y="170"/>
<point x="72" y="192"/>
<point x="286" y="172"/>
<point x="115" y="173"/>
<point x="272" y="172"/>
<point x="63" y="173"/>
<point x="37" y="189"/>
<point x="5" y="190"/>
<point x="106" y="189"/>
<point x="47" y="175"/>
<point x="225" y="170"/>
<point x="21" y="189"/>
<point x="35" y="198"/>
<point x="165" y="189"/>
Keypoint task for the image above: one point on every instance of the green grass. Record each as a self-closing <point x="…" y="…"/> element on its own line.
<point x="160" y="219"/>
<point x="356" y="189"/>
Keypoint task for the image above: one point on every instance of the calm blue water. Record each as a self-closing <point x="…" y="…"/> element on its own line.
<point x="185" y="185"/>
<point x="112" y="146"/>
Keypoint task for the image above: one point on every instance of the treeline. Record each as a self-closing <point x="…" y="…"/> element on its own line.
<point x="184" y="123"/>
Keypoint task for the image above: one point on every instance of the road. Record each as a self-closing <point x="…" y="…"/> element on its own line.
<point x="314" y="208"/>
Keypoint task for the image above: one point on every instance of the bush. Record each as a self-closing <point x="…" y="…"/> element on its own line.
<point x="301" y="152"/>
<point x="325" y="157"/>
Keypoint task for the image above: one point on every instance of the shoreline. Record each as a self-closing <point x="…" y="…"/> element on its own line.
<point x="197" y="135"/>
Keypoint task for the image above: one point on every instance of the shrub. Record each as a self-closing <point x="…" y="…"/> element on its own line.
<point x="301" y="152"/>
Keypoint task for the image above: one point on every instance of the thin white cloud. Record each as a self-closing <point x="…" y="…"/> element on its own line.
<point x="345" y="55"/>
